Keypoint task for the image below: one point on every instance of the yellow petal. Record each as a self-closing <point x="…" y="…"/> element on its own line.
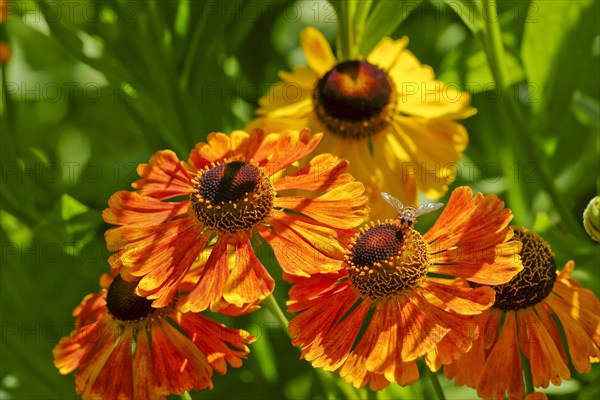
<point x="386" y="52"/>
<point x="317" y="51"/>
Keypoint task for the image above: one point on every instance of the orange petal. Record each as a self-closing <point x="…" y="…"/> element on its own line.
<point x="249" y="281"/>
<point x="96" y="356"/>
<point x="311" y="328"/>
<point x="290" y="147"/>
<point x="309" y="292"/>
<point x="303" y="247"/>
<point x="537" y="345"/>
<point x="581" y="346"/>
<point x="489" y="266"/>
<point x="583" y="306"/>
<point x="466" y="301"/>
<point x="161" y="284"/>
<point x="459" y="331"/>
<point x="371" y="355"/>
<point x="466" y="370"/>
<point x="546" y="319"/>
<point x="469" y="219"/>
<point x="339" y="339"/>
<point x="164" y="177"/>
<point x="130" y="208"/>
<point x="324" y="172"/>
<point x="343" y="207"/>
<point x="261" y="146"/>
<point x="217" y="148"/>
<point x="115" y="380"/>
<point x="502" y="371"/>
<point x="142" y="374"/>
<point x="317" y="51"/>
<point x="178" y="365"/>
<point x="209" y="288"/>
<point x="220" y="344"/>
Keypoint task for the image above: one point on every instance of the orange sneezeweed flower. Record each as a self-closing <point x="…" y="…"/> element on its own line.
<point x="396" y="286"/>
<point x="230" y="189"/>
<point x="527" y="305"/>
<point x="385" y="113"/>
<point x="124" y="348"/>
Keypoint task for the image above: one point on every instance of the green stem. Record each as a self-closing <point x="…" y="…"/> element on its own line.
<point x="185" y="396"/>
<point x="271" y="303"/>
<point x="494" y="50"/>
<point x="529" y="388"/>
<point x="346" y="29"/>
<point x="439" y="393"/>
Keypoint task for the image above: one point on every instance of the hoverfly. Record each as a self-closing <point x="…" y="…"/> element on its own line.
<point x="408" y="214"/>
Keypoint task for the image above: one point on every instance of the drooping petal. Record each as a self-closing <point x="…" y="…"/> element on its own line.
<point x="209" y="288"/>
<point x="115" y="380"/>
<point x="583" y="305"/>
<point x="95" y="357"/>
<point x="437" y="324"/>
<point x="178" y="365"/>
<point x="537" y="345"/>
<point x="317" y="51"/>
<point x="311" y="329"/>
<point x="249" y="281"/>
<point x="581" y="346"/>
<point x="466" y="370"/>
<point x="502" y="372"/>
<point x="546" y="319"/>
<point x="164" y="177"/>
<point x="143" y="381"/>
<point x="220" y="344"/>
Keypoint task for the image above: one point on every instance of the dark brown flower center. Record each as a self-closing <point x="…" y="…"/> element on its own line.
<point x="387" y="260"/>
<point x="354" y="99"/>
<point x="124" y="304"/>
<point x="535" y="282"/>
<point x="232" y="197"/>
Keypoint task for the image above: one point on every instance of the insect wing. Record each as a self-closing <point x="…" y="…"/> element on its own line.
<point x="429" y="207"/>
<point x="392" y="201"/>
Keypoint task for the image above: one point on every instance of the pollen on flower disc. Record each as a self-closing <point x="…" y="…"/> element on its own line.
<point x="535" y="282"/>
<point x="232" y="197"/>
<point x="354" y="99"/>
<point x="387" y="260"/>
<point x="123" y="303"/>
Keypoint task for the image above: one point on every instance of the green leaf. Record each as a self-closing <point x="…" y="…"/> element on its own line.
<point x="383" y="20"/>
<point x="469" y="12"/>
<point x="556" y="44"/>
<point x="468" y="66"/>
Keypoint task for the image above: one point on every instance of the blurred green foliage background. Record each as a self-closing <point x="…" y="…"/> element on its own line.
<point x="94" y="87"/>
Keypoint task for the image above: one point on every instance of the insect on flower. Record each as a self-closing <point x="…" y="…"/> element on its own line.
<point x="408" y="214"/>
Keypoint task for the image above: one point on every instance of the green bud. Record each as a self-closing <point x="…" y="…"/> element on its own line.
<point x="591" y="219"/>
